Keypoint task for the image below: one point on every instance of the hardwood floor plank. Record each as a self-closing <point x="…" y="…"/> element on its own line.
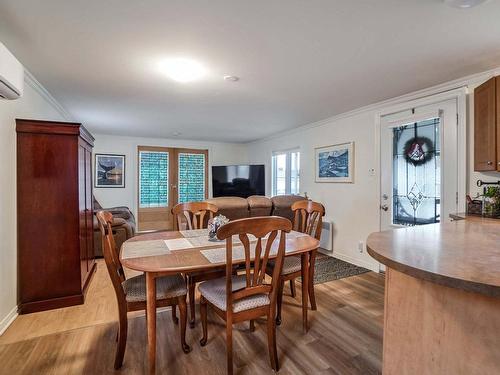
<point x="345" y="337"/>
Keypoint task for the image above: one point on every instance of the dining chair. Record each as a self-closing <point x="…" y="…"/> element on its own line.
<point x="238" y="298"/>
<point x="308" y="218"/>
<point x="195" y="215"/>
<point x="131" y="292"/>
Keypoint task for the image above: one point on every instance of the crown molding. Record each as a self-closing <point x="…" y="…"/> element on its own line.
<point x="379" y="106"/>
<point x="42" y="91"/>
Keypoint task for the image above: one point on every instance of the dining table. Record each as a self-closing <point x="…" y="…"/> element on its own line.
<point x="159" y="254"/>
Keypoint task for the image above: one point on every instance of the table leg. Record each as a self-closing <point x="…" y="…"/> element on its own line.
<point x="305" y="289"/>
<point x="151" y="320"/>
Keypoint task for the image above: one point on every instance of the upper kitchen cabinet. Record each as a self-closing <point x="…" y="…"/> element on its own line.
<point x="486" y="126"/>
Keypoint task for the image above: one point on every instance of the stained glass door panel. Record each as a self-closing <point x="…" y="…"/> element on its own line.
<point x="416" y="180"/>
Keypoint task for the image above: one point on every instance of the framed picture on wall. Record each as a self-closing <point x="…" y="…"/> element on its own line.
<point x="335" y="163"/>
<point x="109" y="171"/>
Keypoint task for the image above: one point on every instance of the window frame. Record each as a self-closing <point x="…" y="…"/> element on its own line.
<point x="288" y="170"/>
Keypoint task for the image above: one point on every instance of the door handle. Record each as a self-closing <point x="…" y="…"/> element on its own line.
<point x="384" y="207"/>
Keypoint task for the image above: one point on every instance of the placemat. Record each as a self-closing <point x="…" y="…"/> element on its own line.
<point x="137" y="249"/>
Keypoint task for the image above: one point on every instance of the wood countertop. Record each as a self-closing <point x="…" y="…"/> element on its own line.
<point x="462" y="254"/>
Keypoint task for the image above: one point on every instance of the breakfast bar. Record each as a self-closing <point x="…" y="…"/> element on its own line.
<point x="442" y="297"/>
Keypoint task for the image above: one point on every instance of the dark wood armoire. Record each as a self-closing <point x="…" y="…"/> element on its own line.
<point x="54" y="214"/>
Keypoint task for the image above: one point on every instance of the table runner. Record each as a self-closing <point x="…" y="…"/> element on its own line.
<point x="218" y="255"/>
<point x="214" y="251"/>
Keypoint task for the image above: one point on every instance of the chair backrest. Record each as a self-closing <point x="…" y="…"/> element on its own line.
<point x="194" y="214"/>
<point x="308" y="217"/>
<point x="111" y="255"/>
<point x="259" y="228"/>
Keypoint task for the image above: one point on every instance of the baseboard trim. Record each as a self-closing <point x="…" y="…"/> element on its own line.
<point x="361" y="263"/>
<point x="7" y="320"/>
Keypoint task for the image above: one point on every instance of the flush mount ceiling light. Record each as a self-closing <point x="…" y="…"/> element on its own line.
<point x="464" y="3"/>
<point x="182" y="69"/>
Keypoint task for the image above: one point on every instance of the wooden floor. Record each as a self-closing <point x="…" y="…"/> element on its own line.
<point x="345" y="337"/>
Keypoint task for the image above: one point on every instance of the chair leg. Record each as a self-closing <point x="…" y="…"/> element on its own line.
<point x="122" y="339"/>
<point x="281" y="284"/>
<point x="271" y="342"/>
<point x="174" y="315"/>
<point x="203" y="317"/>
<point x="229" y="346"/>
<point x="292" y="288"/>
<point x="252" y="325"/>
<point x="312" y="296"/>
<point x="192" y="306"/>
<point x="183" y="312"/>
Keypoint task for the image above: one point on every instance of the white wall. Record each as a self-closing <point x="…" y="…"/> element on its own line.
<point x="36" y="104"/>
<point x="218" y="154"/>
<point x="354" y="208"/>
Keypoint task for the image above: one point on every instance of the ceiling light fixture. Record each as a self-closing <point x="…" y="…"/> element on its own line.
<point x="231" y="78"/>
<point x="464" y="4"/>
<point x="182" y="69"/>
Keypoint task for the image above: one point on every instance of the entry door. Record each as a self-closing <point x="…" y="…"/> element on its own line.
<point x="168" y="176"/>
<point x="419" y="166"/>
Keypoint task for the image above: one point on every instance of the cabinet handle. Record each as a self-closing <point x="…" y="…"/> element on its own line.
<point x="489" y="163"/>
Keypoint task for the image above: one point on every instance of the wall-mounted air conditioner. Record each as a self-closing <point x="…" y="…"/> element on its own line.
<point x="11" y="75"/>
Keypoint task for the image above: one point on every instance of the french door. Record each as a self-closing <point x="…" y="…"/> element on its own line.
<point x="167" y="176"/>
<point x="419" y="165"/>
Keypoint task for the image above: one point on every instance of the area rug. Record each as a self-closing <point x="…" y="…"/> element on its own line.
<point x="329" y="268"/>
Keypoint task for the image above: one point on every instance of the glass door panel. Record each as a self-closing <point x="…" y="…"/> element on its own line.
<point x="192" y="176"/>
<point x="416" y="173"/>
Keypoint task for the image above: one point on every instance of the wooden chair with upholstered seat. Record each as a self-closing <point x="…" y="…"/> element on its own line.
<point x="308" y="218"/>
<point x="131" y="293"/>
<point x="237" y="298"/>
<point x="195" y="215"/>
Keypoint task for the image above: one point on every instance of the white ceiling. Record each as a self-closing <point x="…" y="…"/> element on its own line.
<point x="299" y="60"/>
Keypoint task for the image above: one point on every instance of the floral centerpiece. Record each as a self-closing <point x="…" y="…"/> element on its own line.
<point x="214" y="224"/>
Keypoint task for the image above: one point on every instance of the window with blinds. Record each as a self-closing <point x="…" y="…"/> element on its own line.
<point x="153" y="179"/>
<point x="191" y="177"/>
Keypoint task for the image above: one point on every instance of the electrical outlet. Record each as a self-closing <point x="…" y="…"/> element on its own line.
<point x="361" y="246"/>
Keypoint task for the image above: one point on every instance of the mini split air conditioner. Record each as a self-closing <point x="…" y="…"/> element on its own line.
<point x="11" y="75"/>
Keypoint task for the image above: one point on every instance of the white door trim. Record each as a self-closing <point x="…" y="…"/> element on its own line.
<point x="460" y="95"/>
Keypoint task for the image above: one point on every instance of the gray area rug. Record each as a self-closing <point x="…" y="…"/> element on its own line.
<point x="328" y="268"/>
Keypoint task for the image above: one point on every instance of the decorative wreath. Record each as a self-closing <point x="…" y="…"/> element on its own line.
<point x="418" y="150"/>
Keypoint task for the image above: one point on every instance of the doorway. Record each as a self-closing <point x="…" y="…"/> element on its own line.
<point x="167" y="176"/>
<point x="419" y="165"/>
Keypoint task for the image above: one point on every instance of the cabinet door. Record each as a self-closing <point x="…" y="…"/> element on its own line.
<point x="82" y="213"/>
<point x="485" y="142"/>
<point x="89" y="208"/>
<point x="498" y="121"/>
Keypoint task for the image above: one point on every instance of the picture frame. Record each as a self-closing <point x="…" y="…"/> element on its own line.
<point x="109" y="171"/>
<point x="335" y="163"/>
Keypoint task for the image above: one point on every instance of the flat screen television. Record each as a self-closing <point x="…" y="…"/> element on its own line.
<point x="238" y="180"/>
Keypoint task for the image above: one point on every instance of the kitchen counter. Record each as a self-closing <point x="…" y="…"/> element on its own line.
<point x="442" y="297"/>
<point x="462" y="254"/>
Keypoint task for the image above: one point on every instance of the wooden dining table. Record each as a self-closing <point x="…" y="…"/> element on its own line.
<point x="166" y="253"/>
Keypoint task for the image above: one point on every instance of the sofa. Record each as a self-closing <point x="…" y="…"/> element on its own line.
<point x="233" y="208"/>
<point x="123" y="226"/>
<point x="256" y="205"/>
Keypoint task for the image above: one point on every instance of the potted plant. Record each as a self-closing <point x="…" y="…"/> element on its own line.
<point x="491" y="201"/>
